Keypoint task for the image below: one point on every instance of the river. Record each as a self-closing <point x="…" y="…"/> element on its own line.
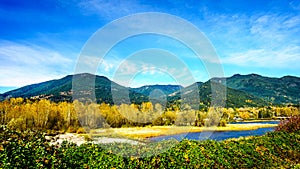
<point x="220" y="135"/>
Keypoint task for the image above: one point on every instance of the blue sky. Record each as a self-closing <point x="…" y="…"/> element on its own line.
<point x="42" y="40"/>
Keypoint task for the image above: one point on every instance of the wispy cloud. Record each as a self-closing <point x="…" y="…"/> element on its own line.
<point x="260" y="40"/>
<point x="30" y="54"/>
<point x="275" y="29"/>
<point x="111" y="9"/>
<point x="295" y="5"/>
<point x="286" y="57"/>
<point x="128" y="68"/>
<point x="24" y="64"/>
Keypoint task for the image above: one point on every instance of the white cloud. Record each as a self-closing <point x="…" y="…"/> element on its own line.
<point x="237" y="32"/>
<point x="275" y="29"/>
<point x="292" y="22"/>
<point x="265" y="40"/>
<point x="272" y="43"/>
<point x="108" y="66"/>
<point x="17" y="76"/>
<point x="127" y="68"/>
<point x="30" y="54"/>
<point x="286" y="57"/>
<point x="111" y="9"/>
<point x="24" y="64"/>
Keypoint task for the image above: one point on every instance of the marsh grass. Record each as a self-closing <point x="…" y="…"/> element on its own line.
<point x="154" y="131"/>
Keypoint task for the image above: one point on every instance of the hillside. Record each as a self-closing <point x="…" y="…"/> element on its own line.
<point x="167" y="89"/>
<point x="242" y="90"/>
<point x="276" y="90"/>
<point x="49" y="89"/>
<point x="61" y="90"/>
<point x="223" y="96"/>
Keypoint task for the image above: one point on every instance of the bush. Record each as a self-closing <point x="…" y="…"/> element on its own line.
<point x="81" y="130"/>
<point x="31" y="150"/>
<point x="27" y="149"/>
<point x="290" y="125"/>
<point x="17" y="124"/>
<point x="222" y="123"/>
<point x="71" y="129"/>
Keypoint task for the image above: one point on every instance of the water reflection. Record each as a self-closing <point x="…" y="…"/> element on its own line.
<point x="221" y="135"/>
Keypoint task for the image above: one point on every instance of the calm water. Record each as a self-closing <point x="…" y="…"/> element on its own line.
<point x="264" y="122"/>
<point x="220" y="135"/>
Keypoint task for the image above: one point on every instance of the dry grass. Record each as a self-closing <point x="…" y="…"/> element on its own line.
<point x="147" y="132"/>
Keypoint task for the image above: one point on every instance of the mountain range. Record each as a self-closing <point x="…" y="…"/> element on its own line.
<point x="240" y="90"/>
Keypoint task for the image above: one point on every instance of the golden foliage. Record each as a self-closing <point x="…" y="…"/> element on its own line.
<point x="46" y="115"/>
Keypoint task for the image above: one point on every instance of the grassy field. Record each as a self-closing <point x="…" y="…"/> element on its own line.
<point x="153" y="131"/>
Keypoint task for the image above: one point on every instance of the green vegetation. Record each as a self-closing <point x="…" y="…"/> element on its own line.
<point x="290" y="125"/>
<point x="225" y="97"/>
<point x="242" y="90"/>
<point x="44" y="115"/>
<point x="31" y="150"/>
<point x="62" y="90"/>
<point x="274" y="90"/>
<point x="167" y="89"/>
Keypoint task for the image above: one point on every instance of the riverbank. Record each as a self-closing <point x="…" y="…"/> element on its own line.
<point x="136" y="135"/>
<point x="79" y="139"/>
<point x="154" y="131"/>
<point x="260" y="120"/>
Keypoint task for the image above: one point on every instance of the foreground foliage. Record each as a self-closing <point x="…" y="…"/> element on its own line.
<point x="290" y="125"/>
<point x="31" y="150"/>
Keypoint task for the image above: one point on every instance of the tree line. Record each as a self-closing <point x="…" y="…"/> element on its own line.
<point x="64" y="116"/>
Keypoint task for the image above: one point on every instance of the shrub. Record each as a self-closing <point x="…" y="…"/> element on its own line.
<point x="30" y="149"/>
<point x="27" y="149"/>
<point x="290" y="125"/>
<point x="81" y="130"/>
<point x="222" y="123"/>
<point x="71" y="129"/>
<point x="17" y="124"/>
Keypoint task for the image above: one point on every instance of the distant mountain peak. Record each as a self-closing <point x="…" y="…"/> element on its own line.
<point x="247" y="75"/>
<point x="256" y="87"/>
<point x="237" y="75"/>
<point x="254" y="74"/>
<point x="84" y="74"/>
<point x="275" y="90"/>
